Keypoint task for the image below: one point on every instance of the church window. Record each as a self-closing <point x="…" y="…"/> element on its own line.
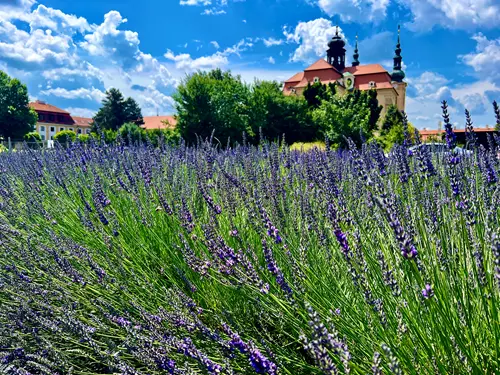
<point x="316" y="79"/>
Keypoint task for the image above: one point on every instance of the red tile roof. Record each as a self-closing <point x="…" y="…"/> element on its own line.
<point x="321" y="64"/>
<point x="42" y="106"/>
<point x="365" y="69"/>
<point x="436" y="131"/>
<point x="159" y="122"/>
<point x="296" y="78"/>
<point x="82" y="121"/>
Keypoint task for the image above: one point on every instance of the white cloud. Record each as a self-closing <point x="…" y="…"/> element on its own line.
<point x="215" y="44"/>
<point x="427" y="82"/>
<point x="455" y="14"/>
<point x="355" y="10"/>
<point x="81" y="112"/>
<point x="195" y="2"/>
<point x="213" y="12"/>
<point x="56" y="20"/>
<point x="271" y="60"/>
<point x="485" y="60"/>
<point x="81" y="93"/>
<point x="474" y="96"/>
<point x="313" y="37"/>
<point x="186" y="62"/>
<point x="273" y="42"/>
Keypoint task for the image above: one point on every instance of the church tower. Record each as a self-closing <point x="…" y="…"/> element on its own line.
<point x="355" y="61"/>
<point x="336" y="52"/>
<point x="398" y="75"/>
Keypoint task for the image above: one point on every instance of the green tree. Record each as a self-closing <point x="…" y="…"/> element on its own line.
<point x="278" y="114"/>
<point x="131" y="133"/>
<point x="393" y="118"/>
<point x="116" y="111"/>
<point x="317" y="92"/>
<point x="347" y="116"/>
<point x="65" y="136"/>
<point x="16" y="118"/>
<point x="214" y="101"/>
<point x="33" y="139"/>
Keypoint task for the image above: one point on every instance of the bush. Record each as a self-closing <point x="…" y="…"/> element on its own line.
<point x="167" y="136"/>
<point x="33" y="139"/>
<point x="65" y="137"/>
<point x="84" y="138"/>
<point x="131" y="133"/>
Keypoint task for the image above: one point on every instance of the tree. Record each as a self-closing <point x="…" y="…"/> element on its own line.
<point x="277" y="114"/>
<point x="16" y="118"/>
<point x="393" y="118"/>
<point x="317" y="92"/>
<point x="342" y="117"/>
<point x="131" y="133"/>
<point x="214" y="101"/>
<point x="116" y="111"/>
<point x="65" y="136"/>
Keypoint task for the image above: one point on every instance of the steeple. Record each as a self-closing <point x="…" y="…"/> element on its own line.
<point x="356" y="54"/>
<point x="397" y="72"/>
<point x="336" y="52"/>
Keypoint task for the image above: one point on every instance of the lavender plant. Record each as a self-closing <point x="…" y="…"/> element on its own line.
<point x="249" y="260"/>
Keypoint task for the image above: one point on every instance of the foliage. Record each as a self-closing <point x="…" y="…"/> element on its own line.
<point x="277" y="115"/>
<point x="65" y="136"/>
<point x="116" y="111"/>
<point x="393" y="118"/>
<point x="32" y="137"/>
<point x="3" y="148"/>
<point x="16" y="118"/>
<point x="159" y="137"/>
<point x="348" y="116"/>
<point x="393" y="129"/>
<point x="213" y="101"/>
<point x="248" y="260"/>
<point x="317" y="92"/>
<point x="131" y="133"/>
<point x="84" y="138"/>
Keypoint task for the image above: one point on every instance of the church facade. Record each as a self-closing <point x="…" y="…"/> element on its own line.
<point x="391" y="88"/>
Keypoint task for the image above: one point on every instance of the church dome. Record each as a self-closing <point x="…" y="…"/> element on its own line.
<point x="337" y="41"/>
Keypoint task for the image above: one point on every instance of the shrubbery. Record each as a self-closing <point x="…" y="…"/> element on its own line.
<point x="64" y="137"/>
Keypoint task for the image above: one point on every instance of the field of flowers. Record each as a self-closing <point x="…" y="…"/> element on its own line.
<point x="249" y="260"/>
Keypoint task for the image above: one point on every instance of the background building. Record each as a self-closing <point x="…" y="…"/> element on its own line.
<point x="391" y="88"/>
<point x="52" y="120"/>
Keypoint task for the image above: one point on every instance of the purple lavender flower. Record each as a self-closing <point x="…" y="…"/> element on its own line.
<point x="427" y="292"/>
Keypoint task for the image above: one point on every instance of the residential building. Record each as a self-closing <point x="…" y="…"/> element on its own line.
<point x="436" y="135"/>
<point x="52" y="120"/>
<point x="391" y="88"/>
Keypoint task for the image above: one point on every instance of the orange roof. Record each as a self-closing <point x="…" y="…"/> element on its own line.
<point x="82" y="121"/>
<point x="42" y="106"/>
<point x="159" y="122"/>
<point x="365" y="69"/>
<point x="321" y="64"/>
<point x="436" y="131"/>
<point x="296" y="78"/>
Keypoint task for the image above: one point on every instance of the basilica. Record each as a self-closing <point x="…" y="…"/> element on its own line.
<point x="391" y="88"/>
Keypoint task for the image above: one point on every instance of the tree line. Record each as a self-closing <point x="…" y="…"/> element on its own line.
<point x="219" y="103"/>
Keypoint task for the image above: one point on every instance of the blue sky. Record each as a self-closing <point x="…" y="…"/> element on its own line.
<point x="70" y="52"/>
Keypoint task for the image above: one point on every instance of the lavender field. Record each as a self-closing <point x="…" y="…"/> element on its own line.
<point x="249" y="260"/>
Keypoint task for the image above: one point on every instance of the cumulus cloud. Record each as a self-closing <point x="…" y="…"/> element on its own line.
<point x="81" y="112"/>
<point x="186" y="62"/>
<point x="273" y="42"/>
<point x="271" y="60"/>
<point x="455" y="14"/>
<point x="355" y="10"/>
<point x="312" y="37"/>
<point x="81" y="93"/>
<point x="485" y="60"/>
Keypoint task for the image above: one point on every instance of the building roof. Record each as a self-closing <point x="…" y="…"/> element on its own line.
<point x="436" y="131"/>
<point x="365" y="69"/>
<point x="42" y="106"/>
<point x="82" y="121"/>
<point x="296" y="78"/>
<point x="158" y="122"/>
<point x="321" y="64"/>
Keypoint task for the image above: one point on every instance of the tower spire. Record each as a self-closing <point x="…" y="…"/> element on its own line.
<point x="356" y="54"/>
<point x="397" y="72"/>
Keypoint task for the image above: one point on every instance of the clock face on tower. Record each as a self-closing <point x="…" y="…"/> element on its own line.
<point x="349" y="81"/>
